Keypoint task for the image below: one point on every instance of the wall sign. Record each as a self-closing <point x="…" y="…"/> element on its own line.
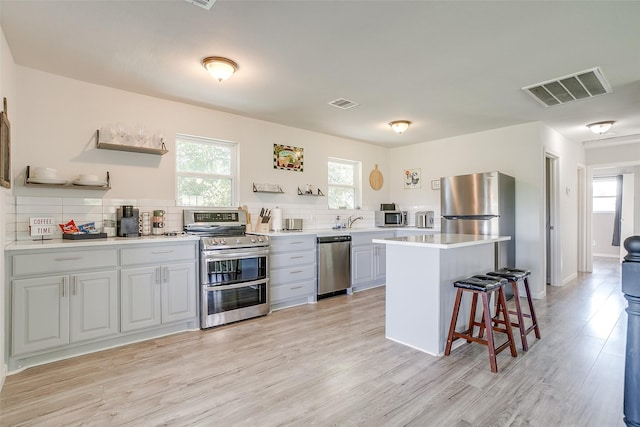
<point x="41" y="226"/>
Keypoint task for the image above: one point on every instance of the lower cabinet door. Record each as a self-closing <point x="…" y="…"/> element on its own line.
<point x="178" y="292"/>
<point x="40" y="313"/>
<point x="361" y="264"/>
<point x="94" y="305"/>
<point x="140" y="298"/>
<point x="380" y="262"/>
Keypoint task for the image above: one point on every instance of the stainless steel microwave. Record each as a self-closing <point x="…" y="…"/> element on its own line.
<point x="391" y="218"/>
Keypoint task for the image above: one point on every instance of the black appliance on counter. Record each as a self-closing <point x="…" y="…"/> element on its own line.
<point x="128" y="221"/>
<point x="234" y="267"/>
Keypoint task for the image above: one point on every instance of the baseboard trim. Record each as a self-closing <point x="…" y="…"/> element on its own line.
<point x="606" y="255"/>
<point x="570" y="278"/>
<point x="3" y="375"/>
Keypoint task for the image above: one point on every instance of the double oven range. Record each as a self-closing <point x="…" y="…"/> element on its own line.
<point x="234" y="267"/>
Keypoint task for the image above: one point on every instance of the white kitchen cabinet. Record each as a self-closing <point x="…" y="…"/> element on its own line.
<point x="94" y="305"/>
<point x="292" y="270"/>
<point x="155" y="294"/>
<point x="368" y="260"/>
<point x="140" y="298"/>
<point x="54" y="311"/>
<point x="74" y="298"/>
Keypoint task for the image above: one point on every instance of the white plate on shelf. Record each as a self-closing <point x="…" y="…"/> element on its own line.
<point x="90" y="183"/>
<point x="46" y="181"/>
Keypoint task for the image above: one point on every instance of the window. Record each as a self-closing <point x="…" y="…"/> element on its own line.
<point x="344" y="184"/>
<point x="206" y="172"/>
<point x="604" y="194"/>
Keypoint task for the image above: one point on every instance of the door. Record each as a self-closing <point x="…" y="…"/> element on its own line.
<point x="474" y="194"/>
<point x="94" y="305"/>
<point x="40" y="313"/>
<point x="178" y="292"/>
<point x="140" y="298"/>
<point x="379" y="261"/>
<point x="627" y="213"/>
<point x="362" y="264"/>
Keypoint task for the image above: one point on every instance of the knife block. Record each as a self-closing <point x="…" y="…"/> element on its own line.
<point x="262" y="227"/>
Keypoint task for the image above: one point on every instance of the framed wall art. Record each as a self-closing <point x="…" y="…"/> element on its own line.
<point x="288" y="158"/>
<point x="412" y="179"/>
<point x="5" y="148"/>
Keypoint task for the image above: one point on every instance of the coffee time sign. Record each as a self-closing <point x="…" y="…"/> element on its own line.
<point x="41" y="226"/>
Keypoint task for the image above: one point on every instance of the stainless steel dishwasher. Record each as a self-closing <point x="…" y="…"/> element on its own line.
<point x="334" y="264"/>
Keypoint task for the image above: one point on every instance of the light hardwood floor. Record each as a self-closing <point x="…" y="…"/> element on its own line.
<point x="330" y="365"/>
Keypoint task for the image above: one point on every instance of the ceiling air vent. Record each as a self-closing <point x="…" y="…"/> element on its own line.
<point x="205" y="4"/>
<point x="581" y="85"/>
<point x="345" y="104"/>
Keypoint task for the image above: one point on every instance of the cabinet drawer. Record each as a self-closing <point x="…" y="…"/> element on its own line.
<point x="56" y="262"/>
<point x="281" y="293"/>
<point x="283" y="244"/>
<point x="365" y="238"/>
<point x="157" y="254"/>
<point x="292" y="259"/>
<point x="287" y="275"/>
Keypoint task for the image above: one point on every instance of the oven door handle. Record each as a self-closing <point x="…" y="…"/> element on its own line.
<point x="223" y="255"/>
<point x="235" y="285"/>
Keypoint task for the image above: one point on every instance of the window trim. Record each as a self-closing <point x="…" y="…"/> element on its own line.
<point x="357" y="181"/>
<point x="234" y="170"/>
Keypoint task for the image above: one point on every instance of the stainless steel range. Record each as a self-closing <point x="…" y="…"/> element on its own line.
<point x="234" y="267"/>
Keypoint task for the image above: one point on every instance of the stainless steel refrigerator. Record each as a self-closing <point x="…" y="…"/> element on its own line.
<point x="481" y="203"/>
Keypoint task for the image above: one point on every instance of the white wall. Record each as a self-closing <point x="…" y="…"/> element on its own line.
<point x="602" y="232"/>
<point x="7" y="89"/>
<point x="59" y="117"/>
<point x="570" y="155"/>
<point x="517" y="151"/>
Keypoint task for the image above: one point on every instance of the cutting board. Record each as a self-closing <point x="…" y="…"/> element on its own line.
<point x="375" y="178"/>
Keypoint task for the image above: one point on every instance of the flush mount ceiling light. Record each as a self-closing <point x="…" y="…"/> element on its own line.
<point x="600" y="127"/>
<point x="219" y="67"/>
<point x="399" y="126"/>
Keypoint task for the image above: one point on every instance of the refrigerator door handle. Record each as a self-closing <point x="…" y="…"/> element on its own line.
<point x="474" y="217"/>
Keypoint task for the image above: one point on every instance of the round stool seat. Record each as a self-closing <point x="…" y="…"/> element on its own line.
<point x="511" y="273"/>
<point x="480" y="282"/>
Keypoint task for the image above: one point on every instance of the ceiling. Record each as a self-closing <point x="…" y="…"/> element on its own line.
<point x="450" y="67"/>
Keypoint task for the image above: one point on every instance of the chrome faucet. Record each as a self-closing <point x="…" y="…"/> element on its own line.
<point x="351" y="221"/>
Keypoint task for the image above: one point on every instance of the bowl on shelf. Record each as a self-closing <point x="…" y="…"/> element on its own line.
<point x="42" y="172"/>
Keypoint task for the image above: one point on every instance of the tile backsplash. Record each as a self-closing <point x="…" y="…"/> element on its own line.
<point x="82" y="210"/>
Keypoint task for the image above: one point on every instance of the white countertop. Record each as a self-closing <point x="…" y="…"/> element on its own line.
<point x="442" y="241"/>
<point x="66" y="244"/>
<point x="339" y="231"/>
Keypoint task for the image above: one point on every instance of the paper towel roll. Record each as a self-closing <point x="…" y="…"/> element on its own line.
<point x="276" y="219"/>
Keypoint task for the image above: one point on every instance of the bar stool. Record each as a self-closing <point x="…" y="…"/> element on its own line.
<point x="514" y="275"/>
<point x="484" y="286"/>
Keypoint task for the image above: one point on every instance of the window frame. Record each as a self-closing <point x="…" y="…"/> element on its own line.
<point x="357" y="182"/>
<point x="234" y="168"/>
<point x="611" y="179"/>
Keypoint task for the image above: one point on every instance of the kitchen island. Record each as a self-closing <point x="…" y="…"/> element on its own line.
<point x="421" y="270"/>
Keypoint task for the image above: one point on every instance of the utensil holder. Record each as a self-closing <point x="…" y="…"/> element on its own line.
<point x="263" y="227"/>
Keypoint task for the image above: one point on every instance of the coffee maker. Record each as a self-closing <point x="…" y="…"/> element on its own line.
<point x="128" y="221"/>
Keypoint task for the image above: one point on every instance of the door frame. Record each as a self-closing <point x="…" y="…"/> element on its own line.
<point x="551" y="231"/>
<point x="584" y="249"/>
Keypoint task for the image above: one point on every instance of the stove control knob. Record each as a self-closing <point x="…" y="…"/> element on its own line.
<point x="239" y="240"/>
<point x="214" y="242"/>
<point x="223" y="242"/>
<point x="253" y="239"/>
<point x="260" y="239"/>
